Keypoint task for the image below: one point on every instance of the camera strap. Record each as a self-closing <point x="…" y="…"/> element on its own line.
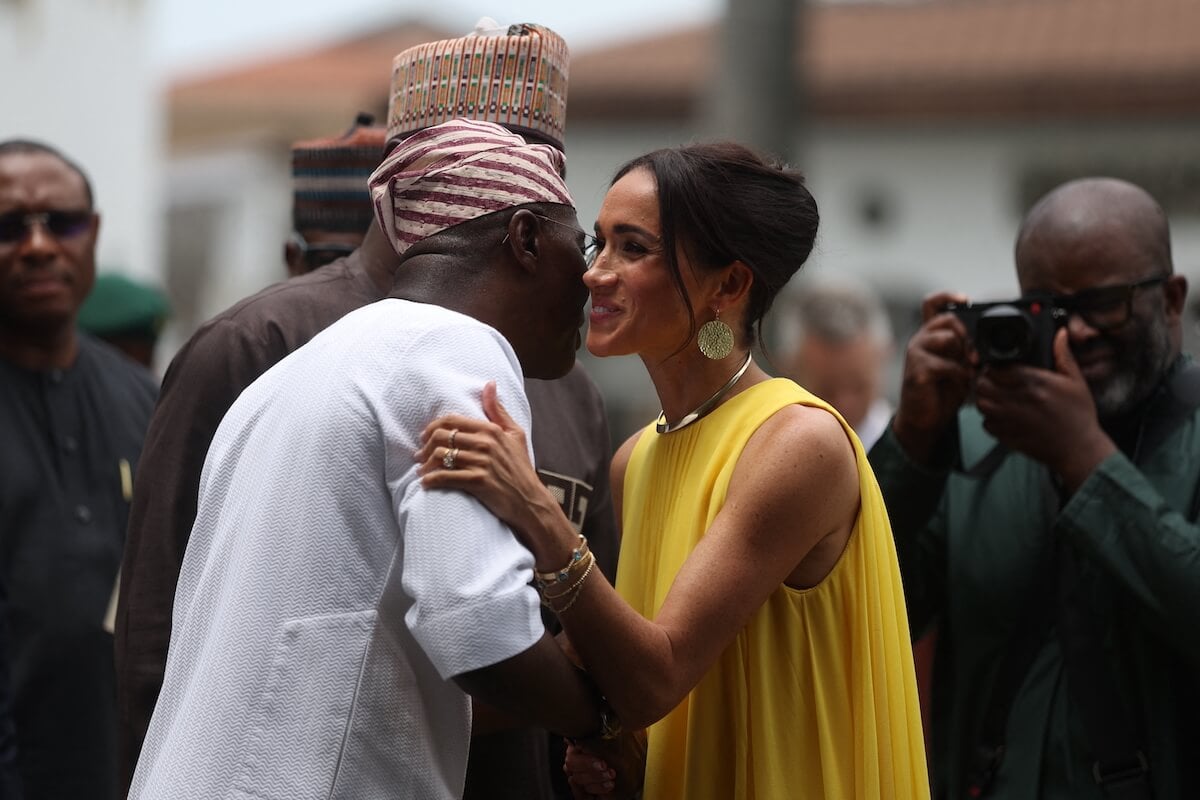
<point x="1120" y="768"/>
<point x="984" y="467"/>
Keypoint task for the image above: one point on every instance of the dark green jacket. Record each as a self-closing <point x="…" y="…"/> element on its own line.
<point x="969" y="548"/>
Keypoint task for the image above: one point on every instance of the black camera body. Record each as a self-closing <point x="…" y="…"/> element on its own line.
<point x="1014" y="331"/>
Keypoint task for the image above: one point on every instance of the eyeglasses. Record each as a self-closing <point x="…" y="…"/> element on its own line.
<point x="16" y="225"/>
<point x="1107" y="307"/>
<point x="318" y="255"/>
<point x="591" y="245"/>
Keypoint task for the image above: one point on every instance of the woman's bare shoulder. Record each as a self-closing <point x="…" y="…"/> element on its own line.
<point x="804" y="428"/>
<point x="800" y="460"/>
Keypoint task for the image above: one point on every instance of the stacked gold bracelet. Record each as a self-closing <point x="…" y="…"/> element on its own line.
<point x="561" y="588"/>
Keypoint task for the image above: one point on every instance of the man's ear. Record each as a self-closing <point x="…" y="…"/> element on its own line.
<point x="524" y="232"/>
<point x="1175" y="291"/>
<point x="93" y="233"/>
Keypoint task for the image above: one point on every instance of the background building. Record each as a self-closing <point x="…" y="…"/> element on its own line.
<point x="930" y="128"/>
<point x="228" y="178"/>
<point x="75" y="74"/>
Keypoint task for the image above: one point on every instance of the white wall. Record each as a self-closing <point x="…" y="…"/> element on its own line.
<point x="248" y="188"/>
<point x="955" y="193"/>
<point x="74" y="73"/>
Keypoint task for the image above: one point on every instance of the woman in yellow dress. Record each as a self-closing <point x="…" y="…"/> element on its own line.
<point x="757" y="628"/>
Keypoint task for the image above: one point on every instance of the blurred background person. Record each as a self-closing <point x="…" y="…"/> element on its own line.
<point x="73" y="412"/>
<point x="840" y="348"/>
<point x="331" y="209"/>
<point x="129" y="314"/>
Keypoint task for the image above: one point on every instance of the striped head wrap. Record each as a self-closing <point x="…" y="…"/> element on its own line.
<point x="457" y="171"/>
<point x="515" y="76"/>
<point x="329" y="179"/>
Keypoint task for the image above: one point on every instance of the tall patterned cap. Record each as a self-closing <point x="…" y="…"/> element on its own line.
<point x="514" y="76"/>
<point x="329" y="178"/>
<point x="457" y="171"/>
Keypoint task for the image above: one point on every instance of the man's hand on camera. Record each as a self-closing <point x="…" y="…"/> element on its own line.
<point x="1048" y="415"/>
<point x="938" y="368"/>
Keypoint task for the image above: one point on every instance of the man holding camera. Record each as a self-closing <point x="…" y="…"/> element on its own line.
<point x="1050" y="528"/>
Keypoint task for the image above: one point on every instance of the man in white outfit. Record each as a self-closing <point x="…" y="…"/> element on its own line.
<point x="331" y="611"/>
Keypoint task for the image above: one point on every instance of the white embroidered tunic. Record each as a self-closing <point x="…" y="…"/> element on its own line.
<point x="326" y="600"/>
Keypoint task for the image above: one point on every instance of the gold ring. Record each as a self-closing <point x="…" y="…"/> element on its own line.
<point x="448" y="458"/>
<point x="453" y="433"/>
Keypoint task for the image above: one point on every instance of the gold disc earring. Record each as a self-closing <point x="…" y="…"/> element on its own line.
<point x="715" y="338"/>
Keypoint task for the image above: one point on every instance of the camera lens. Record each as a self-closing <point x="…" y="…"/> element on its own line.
<point x="1004" y="333"/>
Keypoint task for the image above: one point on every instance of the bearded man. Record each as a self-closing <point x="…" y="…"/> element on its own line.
<point x="1050" y="529"/>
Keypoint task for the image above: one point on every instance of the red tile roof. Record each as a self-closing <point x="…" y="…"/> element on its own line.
<point x="916" y="59"/>
<point x="937" y="57"/>
<point x="314" y="93"/>
<point x="1009" y="56"/>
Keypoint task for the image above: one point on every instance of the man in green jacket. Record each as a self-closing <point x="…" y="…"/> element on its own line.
<point x="1050" y="527"/>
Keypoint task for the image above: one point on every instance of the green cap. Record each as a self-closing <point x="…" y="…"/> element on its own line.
<point x="119" y="305"/>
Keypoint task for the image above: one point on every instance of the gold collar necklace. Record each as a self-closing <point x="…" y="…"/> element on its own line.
<point x="702" y="410"/>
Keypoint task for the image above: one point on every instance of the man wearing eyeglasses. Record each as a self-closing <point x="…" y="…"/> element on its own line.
<point x="1049" y="527"/>
<point x="73" y="412"/>
<point x="570" y="435"/>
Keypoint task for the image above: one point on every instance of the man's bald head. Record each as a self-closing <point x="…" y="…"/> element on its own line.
<point x="1091" y="209"/>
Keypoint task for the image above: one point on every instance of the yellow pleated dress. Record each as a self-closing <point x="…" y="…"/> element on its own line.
<point x="816" y="697"/>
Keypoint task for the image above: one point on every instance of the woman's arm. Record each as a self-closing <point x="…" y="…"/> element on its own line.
<point x="794" y="487"/>
<point x="792" y="500"/>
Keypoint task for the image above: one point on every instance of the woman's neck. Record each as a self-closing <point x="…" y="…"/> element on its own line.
<point x="685" y="381"/>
